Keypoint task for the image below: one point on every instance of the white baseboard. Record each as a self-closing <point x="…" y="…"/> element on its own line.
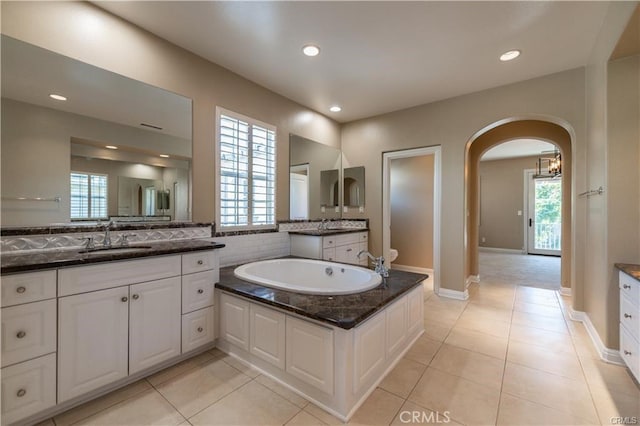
<point x="565" y="291"/>
<point x="471" y="279"/>
<point x="453" y="294"/>
<point x="415" y="269"/>
<point x="612" y="356"/>
<point x="500" y="250"/>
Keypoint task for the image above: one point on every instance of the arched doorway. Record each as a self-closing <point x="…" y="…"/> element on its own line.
<point x="560" y="135"/>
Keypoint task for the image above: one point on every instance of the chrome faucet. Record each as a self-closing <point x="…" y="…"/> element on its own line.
<point x="107" y="234"/>
<point x="324" y="225"/>
<point x="377" y="263"/>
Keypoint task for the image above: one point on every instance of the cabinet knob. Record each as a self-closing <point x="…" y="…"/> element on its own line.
<point x="627" y="315"/>
<point x="200" y="291"/>
<point x="626" y="352"/>
<point x="330" y="241"/>
<point x="21" y="289"/>
<point x="124" y="298"/>
<point x="21" y="334"/>
<point x="200" y="329"/>
<point x="627" y="286"/>
<point x="135" y="297"/>
<point x="21" y="393"/>
<point x="200" y="262"/>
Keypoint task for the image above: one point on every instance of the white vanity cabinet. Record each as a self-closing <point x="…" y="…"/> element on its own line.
<point x="28" y="344"/>
<point x="336" y="248"/>
<point x="630" y="322"/>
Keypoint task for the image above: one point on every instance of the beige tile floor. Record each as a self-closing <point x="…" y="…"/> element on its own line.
<point x="507" y="356"/>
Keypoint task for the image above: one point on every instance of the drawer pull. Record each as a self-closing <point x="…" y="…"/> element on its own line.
<point x="21" y="393"/>
<point x="200" y="291"/>
<point x="21" y="289"/>
<point x="627" y="315"/>
<point x="135" y="297"/>
<point x="627" y="286"/>
<point x="330" y="241"/>
<point x="348" y="250"/>
<point x="200" y="262"/>
<point x="124" y="298"/>
<point x="200" y="329"/>
<point x="21" y="334"/>
<point x="626" y="352"/>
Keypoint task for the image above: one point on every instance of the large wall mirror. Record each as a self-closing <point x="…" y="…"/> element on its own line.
<point x="116" y="147"/>
<point x="314" y="171"/>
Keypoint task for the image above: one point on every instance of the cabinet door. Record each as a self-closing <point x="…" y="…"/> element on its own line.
<point x="369" y="350"/>
<point x="329" y="254"/>
<point x="309" y="354"/>
<point x="267" y="335"/>
<point x="92" y="340"/>
<point x="234" y="321"/>
<point x="155" y="323"/>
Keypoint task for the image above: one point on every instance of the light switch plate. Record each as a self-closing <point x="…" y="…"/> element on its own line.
<point x="361" y="209"/>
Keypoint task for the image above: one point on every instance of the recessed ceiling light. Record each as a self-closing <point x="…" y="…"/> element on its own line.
<point x="57" y="97"/>
<point x="335" y="108"/>
<point x="311" y="50"/>
<point x="510" y="55"/>
<point x="111" y="147"/>
<point x="164" y="156"/>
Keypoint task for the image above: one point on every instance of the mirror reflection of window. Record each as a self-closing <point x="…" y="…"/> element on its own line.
<point x="88" y="196"/>
<point x="299" y="192"/>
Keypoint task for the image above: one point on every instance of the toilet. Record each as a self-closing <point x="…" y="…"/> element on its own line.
<point x="393" y="255"/>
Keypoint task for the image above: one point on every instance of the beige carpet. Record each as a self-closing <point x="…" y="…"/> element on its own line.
<point x="520" y="269"/>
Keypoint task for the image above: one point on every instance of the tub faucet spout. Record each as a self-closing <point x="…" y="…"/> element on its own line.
<point x="377" y="263"/>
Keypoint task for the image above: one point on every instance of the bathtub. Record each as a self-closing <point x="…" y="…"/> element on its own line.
<point x="309" y="276"/>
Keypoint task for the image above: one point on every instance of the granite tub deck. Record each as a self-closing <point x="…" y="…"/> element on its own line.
<point x="343" y="311"/>
<point x="630" y="269"/>
<point x="50" y="259"/>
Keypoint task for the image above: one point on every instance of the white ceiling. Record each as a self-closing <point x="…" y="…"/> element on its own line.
<point x="376" y="57"/>
<point x="30" y="74"/>
<point x="517" y="148"/>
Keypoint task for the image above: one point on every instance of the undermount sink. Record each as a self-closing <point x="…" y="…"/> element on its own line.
<point x="113" y="250"/>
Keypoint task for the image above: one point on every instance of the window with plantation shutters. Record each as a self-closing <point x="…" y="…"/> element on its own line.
<point x="88" y="196"/>
<point x="246" y="165"/>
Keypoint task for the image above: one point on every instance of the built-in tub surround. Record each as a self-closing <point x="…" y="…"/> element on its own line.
<point x="309" y="276"/>
<point x="333" y="350"/>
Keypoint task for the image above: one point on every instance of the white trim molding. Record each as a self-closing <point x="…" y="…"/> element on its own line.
<point x="416" y="269"/>
<point x="453" y="294"/>
<point x="611" y="356"/>
<point x="471" y="279"/>
<point x="565" y="291"/>
<point x="500" y="250"/>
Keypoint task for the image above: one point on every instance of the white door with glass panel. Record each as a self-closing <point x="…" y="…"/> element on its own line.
<point x="544" y="224"/>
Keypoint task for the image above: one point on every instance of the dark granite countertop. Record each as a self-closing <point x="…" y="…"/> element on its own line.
<point x="629" y="269"/>
<point x="50" y="259"/>
<point x="323" y="232"/>
<point x="344" y="311"/>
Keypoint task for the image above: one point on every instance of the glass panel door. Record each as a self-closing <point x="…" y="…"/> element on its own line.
<point x="545" y="212"/>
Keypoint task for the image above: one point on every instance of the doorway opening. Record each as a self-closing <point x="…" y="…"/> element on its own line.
<point x="299" y="192"/>
<point x="418" y="197"/>
<point x="544" y="215"/>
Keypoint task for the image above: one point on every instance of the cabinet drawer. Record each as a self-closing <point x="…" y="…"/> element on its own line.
<point x="28" y="387"/>
<point x="329" y="241"/>
<point x="630" y="316"/>
<point x="197" y="329"/>
<point x="28" y="331"/>
<point x="630" y="352"/>
<point x="25" y="288"/>
<point x="329" y="254"/>
<point x="630" y="288"/>
<point x="83" y="279"/>
<point x="197" y="291"/>
<point x="351" y="238"/>
<point x="199" y="261"/>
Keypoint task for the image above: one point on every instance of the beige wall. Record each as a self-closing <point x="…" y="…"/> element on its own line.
<point x="115" y="45"/>
<point x="411" y="197"/>
<point x="451" y="124"/>
<point x="599" y="295"/>
<point x="501" y="197"/>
